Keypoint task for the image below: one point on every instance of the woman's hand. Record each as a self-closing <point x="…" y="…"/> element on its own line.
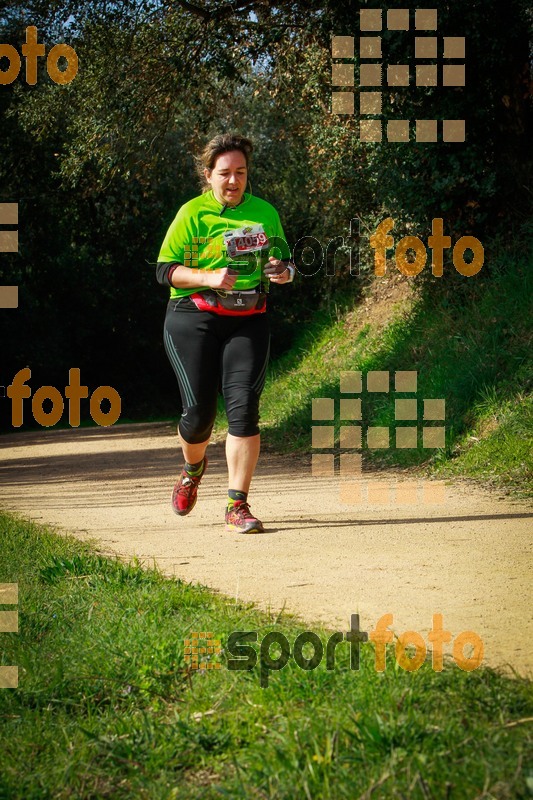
<point x="219" y="278"/>
<point x="276" y="271"/>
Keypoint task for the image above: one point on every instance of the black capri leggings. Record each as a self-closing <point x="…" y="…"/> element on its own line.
<point x="209" y="353"/>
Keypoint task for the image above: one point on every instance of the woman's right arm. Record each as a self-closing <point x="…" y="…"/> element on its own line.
<point x="182" y="277"/>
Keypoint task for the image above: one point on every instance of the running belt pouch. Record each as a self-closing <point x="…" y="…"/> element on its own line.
<point x="232" y="304"/>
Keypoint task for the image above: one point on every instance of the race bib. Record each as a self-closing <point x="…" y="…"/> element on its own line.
<point x="244" y="240"/>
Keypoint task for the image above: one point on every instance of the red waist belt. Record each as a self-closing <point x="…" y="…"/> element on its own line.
<point x="232" y="304"/>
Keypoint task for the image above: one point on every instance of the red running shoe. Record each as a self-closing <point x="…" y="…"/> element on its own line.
<point x="185" y="491"/>
<point x="239" y="518"/>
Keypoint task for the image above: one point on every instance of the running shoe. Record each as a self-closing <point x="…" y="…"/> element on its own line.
<point x="185" y="491"/>
<point x="240" y="519"/>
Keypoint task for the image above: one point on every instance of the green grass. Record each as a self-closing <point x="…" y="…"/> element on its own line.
<point x="471" y="344"/>
<point x="498" y="448"/>
<point x="107" y="706"/>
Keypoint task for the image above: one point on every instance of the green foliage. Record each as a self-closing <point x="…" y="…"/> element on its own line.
<point x="100" y="166"/>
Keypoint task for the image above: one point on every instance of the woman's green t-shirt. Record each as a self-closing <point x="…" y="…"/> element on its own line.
<point x="198" y="238"/>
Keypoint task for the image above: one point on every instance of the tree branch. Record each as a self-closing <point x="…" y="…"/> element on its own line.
<point x="222" y="11"/>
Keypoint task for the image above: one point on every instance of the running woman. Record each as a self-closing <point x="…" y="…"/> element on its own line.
<point x="215" y="257"/>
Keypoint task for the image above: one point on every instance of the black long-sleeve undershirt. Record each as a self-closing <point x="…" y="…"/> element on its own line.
<point x="162" y="271"/>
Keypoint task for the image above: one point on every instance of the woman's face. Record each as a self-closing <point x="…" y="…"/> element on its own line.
<point x="228" y="177"/>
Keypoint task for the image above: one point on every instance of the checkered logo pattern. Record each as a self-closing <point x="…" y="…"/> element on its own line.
<point x="200" y="649"/>
<point x="373" y="74"/>
<point x="207" y="245"/>
<point x="9" y="623"/>
<point x="406" y="433"/>
<point x="9" y="243"/>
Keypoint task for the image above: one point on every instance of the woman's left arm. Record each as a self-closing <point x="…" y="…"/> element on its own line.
<point x="278" y="271"/>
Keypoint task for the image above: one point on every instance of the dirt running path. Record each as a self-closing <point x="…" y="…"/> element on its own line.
<point x="469" y="559"/>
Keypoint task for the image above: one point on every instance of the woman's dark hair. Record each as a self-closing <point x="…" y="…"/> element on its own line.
<point x="223" y="143"/>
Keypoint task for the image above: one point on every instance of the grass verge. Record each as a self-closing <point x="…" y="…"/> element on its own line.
<point x="108" y="707"/>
